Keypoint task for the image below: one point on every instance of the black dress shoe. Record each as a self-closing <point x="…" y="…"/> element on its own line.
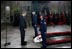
<point x="24" y="43"/>
<point x="43" y="47"/>
<point x="34" y="37"/>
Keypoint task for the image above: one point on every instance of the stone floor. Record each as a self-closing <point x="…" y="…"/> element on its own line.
<point x="14" y="37"/>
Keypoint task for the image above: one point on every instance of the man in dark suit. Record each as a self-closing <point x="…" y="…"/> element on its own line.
<point x="34" y="23"/>
<point x="22" y="27"/>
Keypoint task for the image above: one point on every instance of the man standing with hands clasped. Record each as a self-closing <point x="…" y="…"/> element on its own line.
<point x="22" y="27"/>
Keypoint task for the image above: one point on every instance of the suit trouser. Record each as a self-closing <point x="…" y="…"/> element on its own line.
<point x="44" y="39"/>
<point x="22" y="31"/>
<point x="35" y="29"/>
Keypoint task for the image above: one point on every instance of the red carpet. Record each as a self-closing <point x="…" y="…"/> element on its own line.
<point x="58" y="33"/>
<point x="58" y="41"/>
<point x="68" y="39"/>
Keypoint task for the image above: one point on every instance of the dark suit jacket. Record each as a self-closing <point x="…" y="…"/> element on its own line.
<point x="22" y="22"/>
